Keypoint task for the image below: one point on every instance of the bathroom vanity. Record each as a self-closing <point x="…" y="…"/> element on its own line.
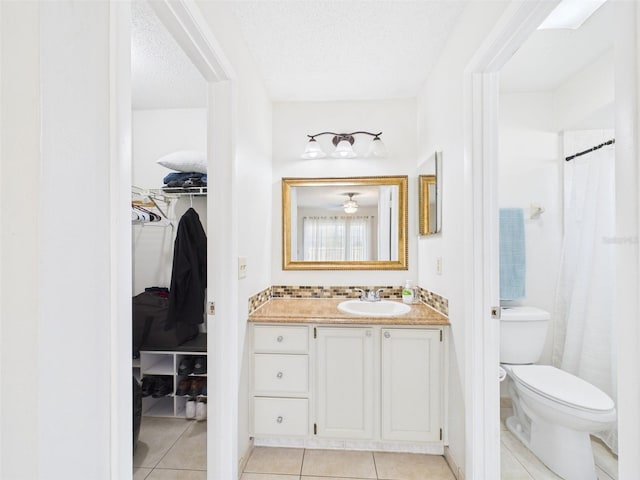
<point x="324" y="378"/>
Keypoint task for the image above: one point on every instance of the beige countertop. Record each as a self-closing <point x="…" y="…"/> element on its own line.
<point x="325" y="310"/>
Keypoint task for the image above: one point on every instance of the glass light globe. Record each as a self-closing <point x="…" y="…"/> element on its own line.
<point x="313" y="150"/>
<point x="344" y="150"/>
<point x="377" y="148"/>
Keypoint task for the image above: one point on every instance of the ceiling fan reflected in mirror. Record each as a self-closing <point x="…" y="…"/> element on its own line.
<point x="350" y="205"/>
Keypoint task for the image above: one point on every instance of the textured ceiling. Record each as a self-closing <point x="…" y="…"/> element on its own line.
<point x="349" y="50"/>
<point x="345" y="50"/>
<point x="550" y="57"/>
<point x="162" y="76"/>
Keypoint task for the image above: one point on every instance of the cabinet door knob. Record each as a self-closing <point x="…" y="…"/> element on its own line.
<point x="387" y="335"/>
<point x="279" y="375"/>
<point x="279" y="419"/>
<point x="280" y="338"/>
<point x="368" y="334"/>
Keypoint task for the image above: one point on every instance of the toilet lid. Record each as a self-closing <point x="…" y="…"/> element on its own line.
<point x="563" y="387"/>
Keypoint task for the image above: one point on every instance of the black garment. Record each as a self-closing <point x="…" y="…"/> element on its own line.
<point x="189" y="274"/>
<point x="150" y="331"/>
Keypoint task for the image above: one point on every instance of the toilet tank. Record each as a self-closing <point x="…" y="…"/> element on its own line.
<point x="523" y="331"/>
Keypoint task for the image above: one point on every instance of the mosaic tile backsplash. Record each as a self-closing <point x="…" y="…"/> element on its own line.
<point x="434" y="300"/>
<point x="289" y="291"/>
<point x="259" y="299"/>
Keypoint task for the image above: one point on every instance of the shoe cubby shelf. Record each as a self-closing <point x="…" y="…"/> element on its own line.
<point x="166" y="364"/>
<point x="157" y="364"/>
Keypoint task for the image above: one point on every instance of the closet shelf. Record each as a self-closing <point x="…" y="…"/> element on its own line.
<point x="173" y="192"/>
<point x="166" y="194"/>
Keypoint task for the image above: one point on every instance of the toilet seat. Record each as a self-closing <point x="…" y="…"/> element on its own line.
<point x="562" y="387"/>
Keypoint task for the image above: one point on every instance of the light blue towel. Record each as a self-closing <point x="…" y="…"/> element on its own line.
<point x="512" y="254"/>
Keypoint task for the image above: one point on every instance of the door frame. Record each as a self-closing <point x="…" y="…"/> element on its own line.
<point x="481" y="84"/>
<point x="186" y="24"/>
<point x="481" y="233"/>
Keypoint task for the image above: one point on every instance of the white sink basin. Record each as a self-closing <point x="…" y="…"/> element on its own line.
<point x="383" y="308"/>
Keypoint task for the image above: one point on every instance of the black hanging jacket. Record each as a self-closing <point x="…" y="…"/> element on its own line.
<point x="189" y="274"/>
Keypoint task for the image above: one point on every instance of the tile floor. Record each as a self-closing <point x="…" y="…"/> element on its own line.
<point x="273" y="463"/>
<point x="175" y="449"/>
<point x="171" y="449"/>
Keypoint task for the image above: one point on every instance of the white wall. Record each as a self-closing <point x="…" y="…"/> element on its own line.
<point x="293" y="121"/>
<point x="586" y="100"/>
<point x="19" y="239"/>
<point x="530" y="172"/>
<point x="253" y="184"/>
<point x="56" y="304"/>
<point x="75" y="249"/>
<point x="441" y="120"/>
<point x="158" y="132"/>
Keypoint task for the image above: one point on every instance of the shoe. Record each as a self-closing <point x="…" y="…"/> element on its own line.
<point x="190" y="409"/>
<point x="183" y="387"/>
<point x="200" y="365"/>
<point x="186" y="366"/>
<point x="201" y="410"/>
<point x="163" y="387"/>
<point x="148" y="384"/>
<point x="196" y="387"/>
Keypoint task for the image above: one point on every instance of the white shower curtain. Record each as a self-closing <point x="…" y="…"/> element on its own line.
<point x="585" y="297"/>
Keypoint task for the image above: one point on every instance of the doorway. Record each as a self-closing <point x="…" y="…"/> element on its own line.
<point x="483" y="126"/>
<point x="556" y="98"/>
<point x="187" y="27"/>
<point x="169" y="191"/>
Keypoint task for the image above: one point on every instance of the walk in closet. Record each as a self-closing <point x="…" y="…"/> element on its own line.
<point x="161" y="357"/>
<point x="168" y="238"/>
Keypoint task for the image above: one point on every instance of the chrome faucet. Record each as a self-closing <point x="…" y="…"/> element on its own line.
<point x="370" y="296"/>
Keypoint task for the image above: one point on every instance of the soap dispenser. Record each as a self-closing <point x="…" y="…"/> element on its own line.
<point x="408" y="293"/>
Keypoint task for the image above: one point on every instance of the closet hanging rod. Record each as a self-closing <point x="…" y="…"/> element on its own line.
<point x="592" y="149"/>
<point x="152" y="196"/>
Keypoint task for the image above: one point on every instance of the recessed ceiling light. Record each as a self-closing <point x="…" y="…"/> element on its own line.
<point x="571" y="14"/>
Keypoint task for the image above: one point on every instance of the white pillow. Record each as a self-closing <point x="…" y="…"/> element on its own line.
<point x="185" y="161"/>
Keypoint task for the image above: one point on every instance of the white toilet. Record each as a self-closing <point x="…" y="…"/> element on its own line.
<point x="554" y="411"/>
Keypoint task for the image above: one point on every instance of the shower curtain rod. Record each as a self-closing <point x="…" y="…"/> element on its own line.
<point x="592" y="149"/>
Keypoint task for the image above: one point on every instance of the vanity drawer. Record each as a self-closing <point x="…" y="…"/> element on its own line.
<point x="286" y="374"/>
<point x="280" y="416"/>
<point x="280" y="339"/>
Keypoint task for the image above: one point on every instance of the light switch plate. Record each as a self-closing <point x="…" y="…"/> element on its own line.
<point x="242" y="267"/>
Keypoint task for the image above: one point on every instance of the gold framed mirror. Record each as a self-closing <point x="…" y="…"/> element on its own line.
<point x="430" y="196"/>
<point x="427" y="208"/>
<point x="356" y="223"/>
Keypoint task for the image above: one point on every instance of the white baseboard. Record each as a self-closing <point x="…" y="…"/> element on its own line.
<point x="457" y="471"/>
<point x="435" y="448"/>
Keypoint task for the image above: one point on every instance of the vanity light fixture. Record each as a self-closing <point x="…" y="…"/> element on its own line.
<point x="344" y="145"/>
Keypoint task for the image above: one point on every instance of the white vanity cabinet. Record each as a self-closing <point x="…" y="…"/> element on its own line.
<point x="411" y="378"/>
<point x="280" y="372"/>
<point x="345" y="378"/>
<point x="374" y="387"/>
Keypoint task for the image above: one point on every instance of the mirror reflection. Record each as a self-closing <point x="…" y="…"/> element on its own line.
<point x="430" y="195"/>
<point x="344" y="223"/>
